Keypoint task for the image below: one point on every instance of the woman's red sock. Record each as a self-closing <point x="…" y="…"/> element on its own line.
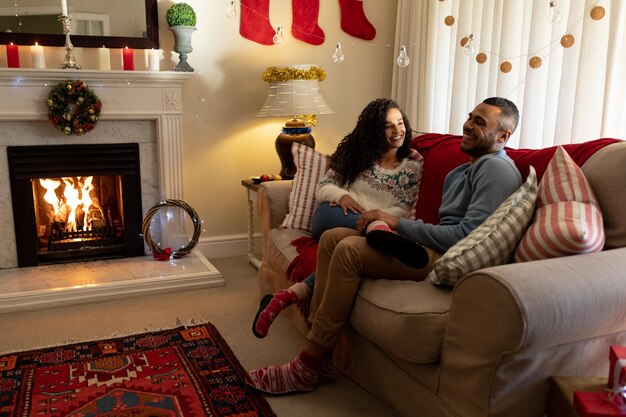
<point x="271" y="306"/>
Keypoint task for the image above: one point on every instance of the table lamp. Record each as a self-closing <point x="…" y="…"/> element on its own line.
<point x="293" y="91"/>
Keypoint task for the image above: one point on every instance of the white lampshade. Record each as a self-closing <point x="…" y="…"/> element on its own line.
<point x="294" y="97"/>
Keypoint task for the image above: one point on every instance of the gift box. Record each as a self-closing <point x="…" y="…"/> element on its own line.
<point x="617" y="367"/>
<point x="597" y="404"/>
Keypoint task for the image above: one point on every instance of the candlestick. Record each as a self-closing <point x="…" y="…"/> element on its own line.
<point x="128" y="57"/>
<point x="70" y="61"/>
<point x="13" y="56"/>
<point x="154" y="60"/>
<point x="104" y="58"/>
<point x="64" y="7"/>
<point x="36" y="52"/>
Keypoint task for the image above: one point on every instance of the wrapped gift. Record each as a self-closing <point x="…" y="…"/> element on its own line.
<point x="598" y="404"/>
<point x="617" y="367"/>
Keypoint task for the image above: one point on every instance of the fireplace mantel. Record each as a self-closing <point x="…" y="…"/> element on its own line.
<point x="152" y="100"/>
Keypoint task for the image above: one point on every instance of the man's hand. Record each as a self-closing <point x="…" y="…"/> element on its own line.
<point x="348" y="203"/>
<point x="369" y="216"/>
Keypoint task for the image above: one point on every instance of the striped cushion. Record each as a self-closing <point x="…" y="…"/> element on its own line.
<point x="311" y="168"/>
<point x="493" y="242"/>
<point x="568" y="220"/>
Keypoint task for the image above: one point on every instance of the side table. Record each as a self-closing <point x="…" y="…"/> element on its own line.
<point x="251" y="189"/>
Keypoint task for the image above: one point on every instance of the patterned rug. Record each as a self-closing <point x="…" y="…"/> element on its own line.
<point x="179" y="372"/>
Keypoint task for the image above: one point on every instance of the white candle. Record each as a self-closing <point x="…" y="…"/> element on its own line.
<point x="64" y="7"/>
<point x="36" y="52"/>
<point x="104" y="57"/>
<point x="154" y="59"/>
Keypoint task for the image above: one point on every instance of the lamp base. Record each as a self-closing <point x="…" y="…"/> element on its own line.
<point x="295" y="130"/>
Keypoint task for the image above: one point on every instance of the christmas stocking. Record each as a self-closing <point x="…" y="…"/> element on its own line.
<point x="304" y="26"/>
<point x="255" y="21"/>
<point x="353" y="20"/>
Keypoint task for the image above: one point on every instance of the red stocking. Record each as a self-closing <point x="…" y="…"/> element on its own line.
<point x="255" y="21"/>
<point x="353" y="20"/>
<point x="304" y="26"/>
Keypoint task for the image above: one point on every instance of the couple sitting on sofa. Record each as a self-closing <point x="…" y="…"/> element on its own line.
<point x="371" y="192"/>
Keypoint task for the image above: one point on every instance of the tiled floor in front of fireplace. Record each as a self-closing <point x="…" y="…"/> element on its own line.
<point x="51" y="285"/>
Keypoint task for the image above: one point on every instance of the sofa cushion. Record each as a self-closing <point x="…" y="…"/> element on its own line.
<point x="493" y="242"/>
<point x="606" y="171"/>
<point x="568" y="220"/>
<point x="413" y="314"/>
<point x="311" y="168"/>
<point x="441" y="153"/>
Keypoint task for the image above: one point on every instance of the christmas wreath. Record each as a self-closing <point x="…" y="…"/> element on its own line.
<point x="73" y="107"/>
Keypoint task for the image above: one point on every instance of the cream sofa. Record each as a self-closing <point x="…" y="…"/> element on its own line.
<point x="489" y="346"/>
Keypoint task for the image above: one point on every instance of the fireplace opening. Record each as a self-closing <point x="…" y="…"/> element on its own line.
<point x="75" y="202"/>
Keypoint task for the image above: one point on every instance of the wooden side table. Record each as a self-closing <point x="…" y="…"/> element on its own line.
<point x="251" y="189"/>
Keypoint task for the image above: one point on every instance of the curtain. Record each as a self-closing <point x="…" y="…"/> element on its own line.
<point x="577" y="94"/>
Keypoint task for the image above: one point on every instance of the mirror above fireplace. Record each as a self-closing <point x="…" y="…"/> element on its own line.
<point x="95" y="23"/>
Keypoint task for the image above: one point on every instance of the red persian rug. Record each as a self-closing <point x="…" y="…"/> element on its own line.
<point x="179" y="372"/>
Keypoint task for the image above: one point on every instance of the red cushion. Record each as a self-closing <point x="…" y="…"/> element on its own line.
<point x="442" y="153"/>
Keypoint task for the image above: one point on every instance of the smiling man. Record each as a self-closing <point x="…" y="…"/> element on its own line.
<point x="471" y="193"/>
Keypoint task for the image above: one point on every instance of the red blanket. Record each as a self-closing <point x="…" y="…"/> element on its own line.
<point x="303" y="265"/>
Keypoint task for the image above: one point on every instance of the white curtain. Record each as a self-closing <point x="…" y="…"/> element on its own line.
<point x="576" y="95"/>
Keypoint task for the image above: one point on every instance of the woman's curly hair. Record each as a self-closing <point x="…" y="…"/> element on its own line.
<point x="366" y="144"/>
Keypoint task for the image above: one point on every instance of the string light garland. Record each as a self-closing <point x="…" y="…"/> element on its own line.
<point x="470" y="46"/>
<point x="73" y="107"/>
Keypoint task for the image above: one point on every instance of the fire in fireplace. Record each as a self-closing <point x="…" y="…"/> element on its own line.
<point x="75" y="202"/>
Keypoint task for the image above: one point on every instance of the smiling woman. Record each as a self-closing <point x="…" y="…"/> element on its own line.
<point x="114" y="23"/>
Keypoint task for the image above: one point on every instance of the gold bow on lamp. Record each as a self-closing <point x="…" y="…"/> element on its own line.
<point x="294" y="91"/>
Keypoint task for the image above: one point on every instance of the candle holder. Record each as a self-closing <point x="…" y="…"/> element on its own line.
<point x="70" y="61"/>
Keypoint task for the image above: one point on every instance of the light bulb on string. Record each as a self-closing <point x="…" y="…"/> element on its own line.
<point x="403" y="59"/>
<point x="338" y="56"/>
<point x="554" y="15"/>
<point x="470" y="48"/>
<point x="278" y="37"/>
<point x="231" y="11"/>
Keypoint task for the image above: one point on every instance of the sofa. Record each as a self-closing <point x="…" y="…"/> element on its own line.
<point x="487" y="346"/>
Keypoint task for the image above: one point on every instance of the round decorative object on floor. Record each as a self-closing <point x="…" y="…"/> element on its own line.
<point x="167" y="253"/>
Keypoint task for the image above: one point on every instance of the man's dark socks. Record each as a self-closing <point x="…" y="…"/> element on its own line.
<point x="407" y="251"/>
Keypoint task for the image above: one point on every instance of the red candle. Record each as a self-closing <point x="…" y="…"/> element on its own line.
<point x="13" y="56"/>
<point x="129" y="59"/>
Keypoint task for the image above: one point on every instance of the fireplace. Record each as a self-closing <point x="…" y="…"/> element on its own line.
<point x="75" y="202"/>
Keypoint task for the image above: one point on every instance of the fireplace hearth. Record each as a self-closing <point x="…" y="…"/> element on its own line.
<point x="75" y="202"/>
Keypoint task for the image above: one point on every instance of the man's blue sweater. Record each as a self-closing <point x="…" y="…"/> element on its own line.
<point x="471" y="192"/>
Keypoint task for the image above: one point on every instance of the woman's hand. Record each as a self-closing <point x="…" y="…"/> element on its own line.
<point x="348" y="203"/>
<point x="376" y="214"/>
